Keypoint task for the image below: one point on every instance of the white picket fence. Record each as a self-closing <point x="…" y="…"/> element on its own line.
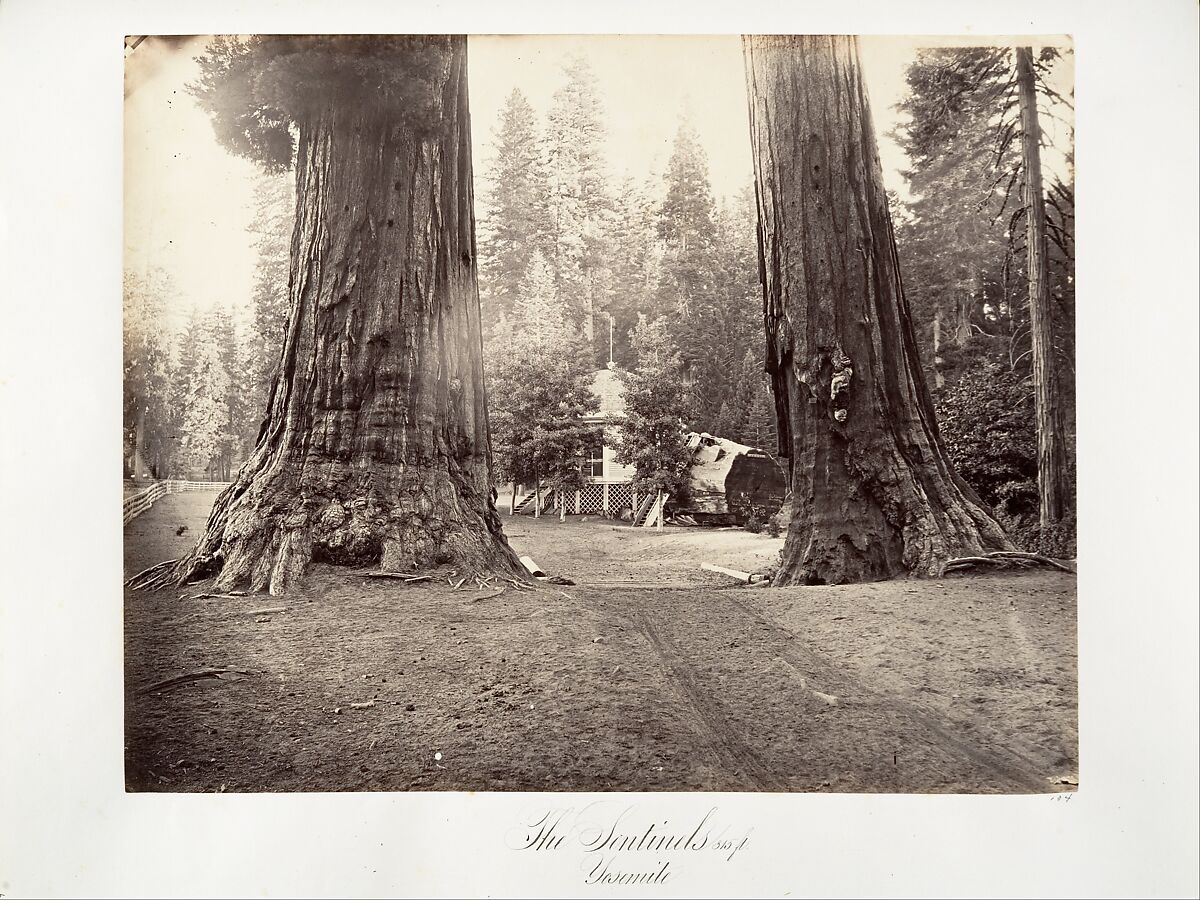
<point x="137" y="504"/>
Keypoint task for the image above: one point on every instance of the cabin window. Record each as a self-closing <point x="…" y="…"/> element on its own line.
<point x="593" y="464"/>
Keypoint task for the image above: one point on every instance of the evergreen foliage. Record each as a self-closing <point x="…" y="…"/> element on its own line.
<point x="578" y="201"/>
<point x="619" y="250"/>
<point x="148" y="370"/>
<point x="961" y="244"/>
<point x="258" y="89"/>
<point x="539" y="391"/>
<point x="512" y="223"/>
<point x="202" y="394"/>
<point x="652" y="436"/>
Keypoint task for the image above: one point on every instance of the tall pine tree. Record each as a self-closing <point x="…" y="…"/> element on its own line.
<point x="262" y="343"/>
<point x="202" y="395"/>
<point x="512" y="223"/>
<point x="687" y="280"/>
<point x="578" y="204"/>
<point x="635" y="262"/>
<point x="148" y="372"/>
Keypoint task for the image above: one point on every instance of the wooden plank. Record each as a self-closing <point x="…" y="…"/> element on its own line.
<point x="745" y="577"/>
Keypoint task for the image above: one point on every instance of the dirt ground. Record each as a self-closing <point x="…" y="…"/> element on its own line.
<point x="648" y="674"/>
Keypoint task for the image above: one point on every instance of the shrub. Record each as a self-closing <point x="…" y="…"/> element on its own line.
<point x="987" y="423"/>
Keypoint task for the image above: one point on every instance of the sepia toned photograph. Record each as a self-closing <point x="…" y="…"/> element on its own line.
<point x="599" y="413"/>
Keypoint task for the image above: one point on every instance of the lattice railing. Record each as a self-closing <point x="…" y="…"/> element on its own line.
<point x="620" y="496"/>
<point x="588" y="500"/>
<point x="591" y="498"/>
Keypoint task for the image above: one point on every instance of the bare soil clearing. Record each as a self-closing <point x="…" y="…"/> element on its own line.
<point x="961" y="685"/>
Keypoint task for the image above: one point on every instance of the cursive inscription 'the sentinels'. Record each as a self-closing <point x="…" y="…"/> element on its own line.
<point x="625" y="845"/>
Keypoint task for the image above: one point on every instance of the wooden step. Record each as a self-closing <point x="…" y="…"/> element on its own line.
<point x="643" y="510"/>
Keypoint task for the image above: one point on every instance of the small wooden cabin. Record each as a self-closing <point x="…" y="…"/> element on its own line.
<point x="609" y="487"/>
<point x="730" y="481"/>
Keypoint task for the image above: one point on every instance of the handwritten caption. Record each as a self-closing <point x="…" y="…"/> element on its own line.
<point x="628" y="845"/>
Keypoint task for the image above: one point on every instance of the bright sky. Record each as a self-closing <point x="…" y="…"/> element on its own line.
<point x="188" y="201"/>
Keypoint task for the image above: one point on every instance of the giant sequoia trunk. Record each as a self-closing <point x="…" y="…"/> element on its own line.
<point x="874" y="493"/>
<point x="374" y="450"/>
<point x="1052" y="457"/>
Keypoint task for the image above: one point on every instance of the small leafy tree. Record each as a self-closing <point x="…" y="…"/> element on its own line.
<point x="986" y="419"/>
<point x="561" y="440"/>
<point x="537" y="433"/>
<point x="538" y="379"/>
<point x="652" y="437"/>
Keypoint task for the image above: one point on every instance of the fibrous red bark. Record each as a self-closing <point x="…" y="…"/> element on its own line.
<point x="874" y="492"/>
<point x="374" y="449"/>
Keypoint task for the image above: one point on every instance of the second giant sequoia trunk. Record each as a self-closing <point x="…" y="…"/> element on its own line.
<point x="374" y="450"/>
<point x="874" y="493"/>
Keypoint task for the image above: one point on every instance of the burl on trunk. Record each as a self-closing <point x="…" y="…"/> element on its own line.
<point x="374" y="449"/>
<point x="874" y="493"/>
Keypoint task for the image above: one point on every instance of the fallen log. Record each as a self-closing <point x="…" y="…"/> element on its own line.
<point x="1005" y="559"/>
<point x="1063" y="565"/>
<point x="192" y="676"/>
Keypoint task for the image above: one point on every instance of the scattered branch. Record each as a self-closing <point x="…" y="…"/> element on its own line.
<point x="1006" y="559"/>
<point x="146" y="575"/>
<point x="193" y="676"/>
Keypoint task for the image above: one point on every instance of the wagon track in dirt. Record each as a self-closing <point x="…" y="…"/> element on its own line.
<point x="813" y="710"/>
<point x="1006" y="761"/>
<point x="723" y="739"/>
